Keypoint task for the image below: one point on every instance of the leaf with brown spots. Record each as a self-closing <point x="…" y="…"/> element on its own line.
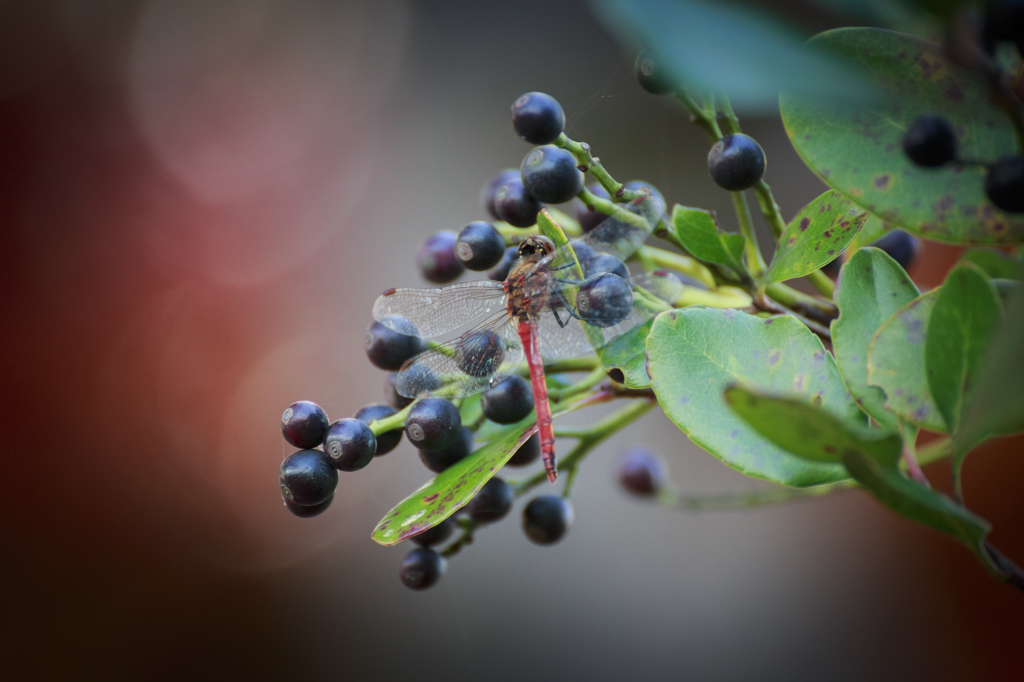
<point x="816" y="236"/>
<point x="450" y="490"/>
<point x="896" y="364"/>
<point x="856" y="148"/>
<point x="693" y="354"/>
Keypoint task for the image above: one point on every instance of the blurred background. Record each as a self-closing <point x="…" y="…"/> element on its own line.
<point x="199" y="202"/>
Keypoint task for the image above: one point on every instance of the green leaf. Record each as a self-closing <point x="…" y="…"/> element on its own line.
<point x="995" y="405"/>
<point x="857" y="148"/>
<point x="628" y="353"/>
<point x="699" y="232"/>
<point x="873" y="287"/>
<point x="817" y="235"/>
<point x="914" y="501"/>
<point x="993" y="263"/>
<point x="453" y="488"/>
<point x="874" y="229"/>
<point x="896" y="364"/>
<point x="959" y="331"/>
<point x="715" y="47"/>
<point x="694" y="353"/>
<point x="806" y="430"/>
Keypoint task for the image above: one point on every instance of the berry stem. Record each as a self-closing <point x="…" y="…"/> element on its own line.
<point x="469" y="527"/>
<point x="585" y="384"/>
<point x="570" y="481"/>
<point x="680" y="263"/>
<point x="754" y="261"/>
<point x="591" y="164"/>
<point x="589" y="440"/>
<point x="702" y="118"/>
<point x="390" y="422"/>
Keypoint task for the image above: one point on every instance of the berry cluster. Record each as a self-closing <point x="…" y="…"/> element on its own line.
<point x="433" y="425"/>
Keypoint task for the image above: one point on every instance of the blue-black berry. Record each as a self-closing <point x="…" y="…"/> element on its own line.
<point x="307" y="477"/>
<point x="436" y="258"/>
<point x="435" y="535"/>
<point x="389" y="349"/>
<point x="930" y="141"/>
<point x="515" y="205"/>
<point x="391" y="395"/>
<point x="550" y="175"/>
<point x="307" y="512"/>
<point x="433" y="424"/>
<point x="421" y="568"/>
<point x="439" y="460"/>
<point x="350" y="444"/>
<point x="901" y="246"/>
<point x="386" y="442"/>
<point x="546" y="519"/>
<point x="509" y="401"/>
<point x="479" y="246"/>
<point x="492" y="503"/>
<point x="490" y="189"/>
<point x="601" y="263"/>
<point x="736" y="162"/>
<point x="605" y="300"/>
<point x="588" y="219"/>
<point x="303" y="424"/>
<point x="652" y="75"/>
<point x="538" y="118"/>
<point x="480" y="353"/>
<point x="501" y="270"/>
<point x="641" y="472"/>
<point x="1004" y="184"/>
<point x="527" y="454"/>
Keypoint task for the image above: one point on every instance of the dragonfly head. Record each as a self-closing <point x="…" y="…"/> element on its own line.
<point x="535" y="247"/>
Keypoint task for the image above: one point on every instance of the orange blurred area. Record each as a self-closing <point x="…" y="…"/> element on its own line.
<point x="199" y="202"/>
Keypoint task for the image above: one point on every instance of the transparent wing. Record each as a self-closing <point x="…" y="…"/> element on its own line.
<point x="653" y="292"/>
<point x="469" y="364"/>
<point x="619" y="236"/>
<point x="432" y="312"/>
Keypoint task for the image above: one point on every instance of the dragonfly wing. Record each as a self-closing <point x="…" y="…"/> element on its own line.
<point x="561" y="343"/>
<point x="464" y="366"/>
<point x="432" y="312"/>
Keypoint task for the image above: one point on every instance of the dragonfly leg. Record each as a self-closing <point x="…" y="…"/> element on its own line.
<point x="568" y="308"/>
<point x="558" y="319"/>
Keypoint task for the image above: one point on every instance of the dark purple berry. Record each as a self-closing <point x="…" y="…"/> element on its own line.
<point x="549" y="173"/>
<point x="439" y="460"/>
<point x="480" y="353"/>
<point x="436" y="258"/>
<point x="391" y="395"/>
<point x="652" y="75"/>
<point x="1004" y="184"/>
<point x="386" y="442"/>
<point x="492" y="503"/>
<point x="307" y="477"/>
<point x="435" y="535"/>
<point x="641" y="472"/>
<point x="421" y="568"/>
<point x="527" y="454"/>
<point x="501" y="270"/>
<point x="546" y="519"/>
<point x="309" y="511"/>
<point x="930" y="142"/>
<point x="303" y="424"/>
<point x="538" y="118"/>
<point x="487" y="194"/>
<point x="605" y="262"/>
<point x="433" y="424"/>
<point x="588" y="219"/>
<point x="604" y="301"/>
<point x="509" y="401"/>
<point x="350" y="444"/>
<point x="479" y="246"/>
<point x="736" y="162"/>
<point x="515" y="205"/>
<point x="901" y="246"/>
<point x="388" y="348"/>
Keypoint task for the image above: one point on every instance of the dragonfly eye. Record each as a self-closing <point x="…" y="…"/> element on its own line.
<point x="536" y="245"/>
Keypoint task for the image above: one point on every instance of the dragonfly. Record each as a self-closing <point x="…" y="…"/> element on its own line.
<point x="550" y="307"/>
